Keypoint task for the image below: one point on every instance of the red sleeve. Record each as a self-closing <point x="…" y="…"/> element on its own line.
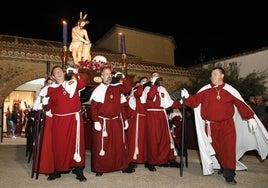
<point x="244" y="110"/>
<point x="80" y="81"/>
<point x="194" y="100"/>
<point x="138" y="92"/>
<point x="125" y="110"/>
<point x="176" y="105"/>
<point x="152" y="92"/>
<point x="127" y="86"/>
<point x="94" y="110"/>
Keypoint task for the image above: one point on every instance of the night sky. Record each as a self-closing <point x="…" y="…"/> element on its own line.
<point x="202" y="32"/>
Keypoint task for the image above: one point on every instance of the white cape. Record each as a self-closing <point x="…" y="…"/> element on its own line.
<point x="99" y="92"/>
<point x="245" y="140"/>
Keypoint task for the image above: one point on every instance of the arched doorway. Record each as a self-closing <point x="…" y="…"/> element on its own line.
<point x="23" y="98"/>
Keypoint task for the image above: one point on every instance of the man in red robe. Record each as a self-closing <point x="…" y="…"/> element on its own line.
<point x="68" y="139"/>
<point x="44" y="165"/>
<point x="109" y="148"/>
<point x="160" y="144"/>
<point x="137" y="122"/>
<point x="223" y="136"/>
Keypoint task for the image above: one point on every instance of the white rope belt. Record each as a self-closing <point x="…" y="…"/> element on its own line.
<point x="155" y="109"/>
<point x="68" y="114"/>
<point x="104" y="132"/>
<point x="136" y="151"/>
<point x="77" y="156"/>
<point x="209" y="130"/>
<point x="172" y="145"/>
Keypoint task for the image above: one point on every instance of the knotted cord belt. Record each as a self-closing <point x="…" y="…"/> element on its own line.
<point x="77" y="156"/>
<point x="104" y="132"/>
<point x="136" y="151"/>
<point x="170" y="137"/>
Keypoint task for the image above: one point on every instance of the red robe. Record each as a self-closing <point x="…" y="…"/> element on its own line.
<point x="176" y="128"/>
<point x="219" y="112"/>
<point x="109" y="153"/>
<point x="68" y="139"/>
<point x="136" y="130"/>
<point x="46" y="164"/>
<point x="160" y="144"/>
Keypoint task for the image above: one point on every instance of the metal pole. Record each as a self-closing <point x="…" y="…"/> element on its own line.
<point x="37" y="118"/>
<point x="182" y="135"/>
<point x="40" y="143"/>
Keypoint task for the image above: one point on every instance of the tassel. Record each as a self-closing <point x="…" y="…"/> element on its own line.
<point x="137" y="150"/>
<point x="171" y="145"/>
<point x="102" y="153"/>
<point x="105" y="134"/>
<point x="209" y="139"/>
<point x="175" y="152"/>
<point x="77" y="157"/>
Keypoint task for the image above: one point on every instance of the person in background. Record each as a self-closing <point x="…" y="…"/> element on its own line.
<point x="15" y="119"/>
<point x="251" y="101"/>
<point x="175" y="119"/>
<point x="160" y="144"/>
<point x="137" y="122"/>
<point x="116" y="80"/>
<point x="226" y="127"/>
<point x="44" y="145"/>
<point x="259" y="109"/>
<point x="68" y="140"/>
<point x="8" y="119"/>
<point x="266" y="105"/>
<point x="109" y="150"/>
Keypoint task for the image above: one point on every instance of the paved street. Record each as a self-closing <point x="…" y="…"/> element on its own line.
<point x="16" y="172"/>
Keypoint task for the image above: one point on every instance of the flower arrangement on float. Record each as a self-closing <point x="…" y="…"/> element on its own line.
<point x="95" y="65"/>
<point x="92" y="67"/>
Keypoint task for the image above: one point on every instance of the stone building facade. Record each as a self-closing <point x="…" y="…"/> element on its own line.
<point x="25" y="59"/>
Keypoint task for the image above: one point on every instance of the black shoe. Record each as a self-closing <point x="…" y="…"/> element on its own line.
<point x="81" y="177"/>
<point x="164" y="165"/>
<point x="79" y="173"/>
<point x="128" y="170"/>
<point x="133" y="165"/>
<point x="74" y="171"/>
<point x="174" y="164"/>
<point x="146" y="165"/>
<point x="99" y="174"/>
<point x="220" y="171"/>
<point x="233" y="182"/>
<point x="151" y="168"/>
<point x="230" y="180"/>
<point x="53" y="176"/>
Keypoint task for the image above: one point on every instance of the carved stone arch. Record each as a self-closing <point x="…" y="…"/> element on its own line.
<point x="16" y="73"/>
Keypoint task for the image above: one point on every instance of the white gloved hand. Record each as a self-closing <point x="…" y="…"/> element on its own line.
<point x="126" y="125"/>
<point x="97" y="126"/>
<point x="252" y="125"/>
<point x="48" y="113"/>
<point x="118" y="73"/>
<point x="45" y="100"/>
<point x="184" y="93"/>
<point x="153" y="79"/>
<point x="75" y="71"/>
